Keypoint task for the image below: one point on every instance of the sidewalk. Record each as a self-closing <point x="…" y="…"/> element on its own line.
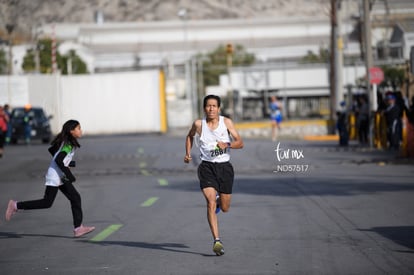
<point x="295" y="129"/>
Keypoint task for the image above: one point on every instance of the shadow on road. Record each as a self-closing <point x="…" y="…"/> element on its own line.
<point x="305" y="186"/>
<point x="8" y="235"/>
<point x="290" y="187"/>
<point x="171" y="247"/>
<point x="402" y="235"/>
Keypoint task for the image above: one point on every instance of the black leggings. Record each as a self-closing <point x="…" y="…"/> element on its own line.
<point x="2" y="138"/>
<point x="50" y="194"/>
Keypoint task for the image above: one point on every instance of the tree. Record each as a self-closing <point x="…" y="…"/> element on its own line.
<point x="311" y="57"/>
<point x="215" y="62"/>
<point x="44" y="51"/>
<point x="73" y="61"/>
<point x="393" y="75"/>
<point x="44" y="48"/>
<point x="29" y="64"/>
<point x="3" y="62"/>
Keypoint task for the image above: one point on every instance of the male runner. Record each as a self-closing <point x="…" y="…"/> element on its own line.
<point x="217" y="136"/>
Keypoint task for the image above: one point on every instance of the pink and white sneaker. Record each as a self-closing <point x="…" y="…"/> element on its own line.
<point x="83" y="230"/>
<point x="11" y="209"/>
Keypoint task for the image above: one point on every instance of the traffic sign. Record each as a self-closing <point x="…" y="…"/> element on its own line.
<point x="376" y="75"/>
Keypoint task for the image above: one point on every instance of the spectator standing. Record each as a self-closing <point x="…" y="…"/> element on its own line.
<point x="4" y="120"/>
<point x="9" y="126"/>
<point x="27" y="123"/>
<point x="342" y="125"/>
<point x="363" y="120"/>
<point x="394" y="123"/>
<point x="409" y="110"/>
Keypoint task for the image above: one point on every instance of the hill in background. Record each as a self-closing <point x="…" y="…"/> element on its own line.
<point x="26" y="14"/>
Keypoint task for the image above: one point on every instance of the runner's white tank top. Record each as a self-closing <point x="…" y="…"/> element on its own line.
<point x="54" y="174"/>
<point x="208" y="142"/>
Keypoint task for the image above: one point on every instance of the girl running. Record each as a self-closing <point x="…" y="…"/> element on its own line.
<point x="59" y="177"/>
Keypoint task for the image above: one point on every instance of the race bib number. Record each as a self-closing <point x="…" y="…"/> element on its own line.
<point x="217" y="151"/>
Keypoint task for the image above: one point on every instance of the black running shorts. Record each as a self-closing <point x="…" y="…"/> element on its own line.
<point x="220" y="176"/>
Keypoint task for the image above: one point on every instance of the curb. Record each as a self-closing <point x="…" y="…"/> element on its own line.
<point x="322" y="138"/>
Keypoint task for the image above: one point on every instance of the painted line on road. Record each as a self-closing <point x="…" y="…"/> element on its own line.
<point x="149" y="202"/>
<point x="106" y="232"/>
<point x="145" y="172"/>
<point x="163" y="182"/>
<point x="140" y="150"/>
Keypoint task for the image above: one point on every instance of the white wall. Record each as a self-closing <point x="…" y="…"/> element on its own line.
<point x="113" y="103"/>
<point x="44" y="92"/>
<point x="103" y="103"/>
<point x="14" y="90"/>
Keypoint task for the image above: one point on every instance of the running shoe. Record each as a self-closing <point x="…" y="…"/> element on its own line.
<point x="218" y="248"/>
<point x="83" y="230"/>
<point x="11" y="209"/>
<point x="217" y="204"/>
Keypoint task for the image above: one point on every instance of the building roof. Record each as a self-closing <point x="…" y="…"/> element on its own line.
<point x="153" y="42"/>
<point x="407" y="26"/>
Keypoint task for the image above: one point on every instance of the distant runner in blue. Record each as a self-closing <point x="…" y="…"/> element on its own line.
<point x="275" y="116"/>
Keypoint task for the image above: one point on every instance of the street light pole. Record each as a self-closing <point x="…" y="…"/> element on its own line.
<point x="339" y="56"/>
<point x="229" y="55"/>
<point x="368" y="65"/>
<point x="332" y="63"/>
<point x="10" y="28"/>
<point x="188" y="63"/>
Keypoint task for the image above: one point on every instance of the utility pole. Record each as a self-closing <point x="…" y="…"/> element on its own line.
<point x="10" y="28"/>
<point x="339" y="56"/>
<point x="368" y="65"/>
<point x="336" y="61"/>
<point x="229" y="57"/>
<point x="333" y="68"/>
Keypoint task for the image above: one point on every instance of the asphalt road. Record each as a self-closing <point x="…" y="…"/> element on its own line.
<point x="342" y="211"/>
